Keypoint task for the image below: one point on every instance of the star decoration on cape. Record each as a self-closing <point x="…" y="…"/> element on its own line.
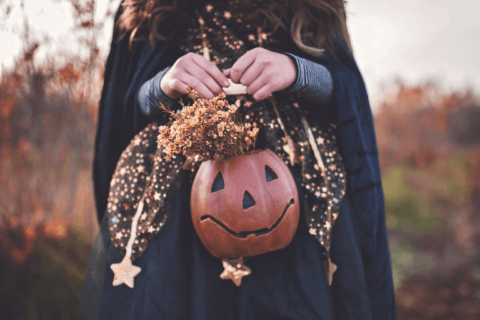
<point x="335" y="215"/>
<point x="235" y="270"/>
<point x="124" y="272"/>
<point x="328" y="225"/>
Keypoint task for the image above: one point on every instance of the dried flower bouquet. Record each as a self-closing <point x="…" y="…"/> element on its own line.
<point x="208" y="130"/>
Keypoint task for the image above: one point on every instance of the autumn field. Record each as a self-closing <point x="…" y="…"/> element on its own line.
<point x="429" y="148"/>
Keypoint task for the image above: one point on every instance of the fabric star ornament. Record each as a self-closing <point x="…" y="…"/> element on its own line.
<point x="124" y="272"/>
<point x="235" y="270"/>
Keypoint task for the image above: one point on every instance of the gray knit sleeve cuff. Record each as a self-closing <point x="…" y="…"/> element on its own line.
<point x="151" y="95"/>
<point x="314" y="81"/>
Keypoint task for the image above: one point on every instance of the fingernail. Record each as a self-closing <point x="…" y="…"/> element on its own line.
<point x="226" y="83"/>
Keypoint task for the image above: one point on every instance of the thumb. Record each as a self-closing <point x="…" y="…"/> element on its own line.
<point x="226" y="72"/>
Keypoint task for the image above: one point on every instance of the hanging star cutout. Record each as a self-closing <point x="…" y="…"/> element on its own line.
<point x="124" y="272"/>
<point x="235" y="270"/>
<point x="331" y="268"/>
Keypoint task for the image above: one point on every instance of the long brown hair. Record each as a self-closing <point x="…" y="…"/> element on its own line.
<point x="314" y="24"/>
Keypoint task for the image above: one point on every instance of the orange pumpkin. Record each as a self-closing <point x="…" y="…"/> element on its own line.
<point x="245" y="206"/>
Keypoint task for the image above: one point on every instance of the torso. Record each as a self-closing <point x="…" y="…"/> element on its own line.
<point x="228" y="39"/>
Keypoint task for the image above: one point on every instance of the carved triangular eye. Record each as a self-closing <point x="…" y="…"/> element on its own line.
<point x="247" y="201"/>
<point x="218" y="183"/>
<point x="269" y="174"/>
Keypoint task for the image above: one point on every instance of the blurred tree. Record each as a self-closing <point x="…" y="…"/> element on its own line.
<point x="463" y="125"/>
<point x="47" y="217"/>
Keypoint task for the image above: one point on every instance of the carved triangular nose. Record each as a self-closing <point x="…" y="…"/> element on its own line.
<point x="247" y="201"/>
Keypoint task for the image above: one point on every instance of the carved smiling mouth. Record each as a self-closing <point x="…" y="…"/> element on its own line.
<point x="245" y="234"/>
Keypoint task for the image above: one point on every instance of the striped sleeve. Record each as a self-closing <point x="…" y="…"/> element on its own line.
<point x="151" y="95"/>
<point x="314" y="81"/>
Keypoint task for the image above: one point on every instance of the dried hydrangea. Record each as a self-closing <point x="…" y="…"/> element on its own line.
<point x="207" y="130"/>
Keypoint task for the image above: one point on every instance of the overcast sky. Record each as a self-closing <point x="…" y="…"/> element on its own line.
<point x="414" y="40"/>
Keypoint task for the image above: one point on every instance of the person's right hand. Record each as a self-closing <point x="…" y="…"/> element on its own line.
<point x="194" y="70"/>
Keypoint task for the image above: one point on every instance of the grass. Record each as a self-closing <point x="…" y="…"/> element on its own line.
<point x="49" y="284"/>
<point x="421" y="201"/>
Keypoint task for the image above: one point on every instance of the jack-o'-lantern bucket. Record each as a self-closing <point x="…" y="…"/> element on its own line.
<point x="245" y="206"/>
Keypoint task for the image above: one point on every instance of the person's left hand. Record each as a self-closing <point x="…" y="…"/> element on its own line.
<point x="263" y="72"/>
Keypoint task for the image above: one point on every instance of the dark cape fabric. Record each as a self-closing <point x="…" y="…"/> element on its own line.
<point x="119" y="117"/>
<point x="362" y="286"/>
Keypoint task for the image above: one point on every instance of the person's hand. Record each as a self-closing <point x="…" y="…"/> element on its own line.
<point x="263" y="72"/>
<point x="194" y="70"/>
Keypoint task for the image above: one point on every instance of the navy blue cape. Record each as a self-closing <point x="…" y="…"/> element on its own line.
<point x="363" y="255"/>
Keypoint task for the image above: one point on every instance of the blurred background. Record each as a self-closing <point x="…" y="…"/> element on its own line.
<point x="421" y="64"/>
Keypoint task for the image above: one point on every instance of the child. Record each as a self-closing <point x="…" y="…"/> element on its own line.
<point x="296" y="51"/>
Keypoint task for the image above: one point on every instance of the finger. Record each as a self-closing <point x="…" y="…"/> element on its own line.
<point x="263" y="93"/>
<point x="259" y="82"/>
<point x="226" y="72"/>
<point x="197" y="85"/>
<point x="242" y="64"/>
<point x="211" y="69"/>
<point x="178" y="86"/>
<point x="251" y="74"/>
<point x="205" y="78"/>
